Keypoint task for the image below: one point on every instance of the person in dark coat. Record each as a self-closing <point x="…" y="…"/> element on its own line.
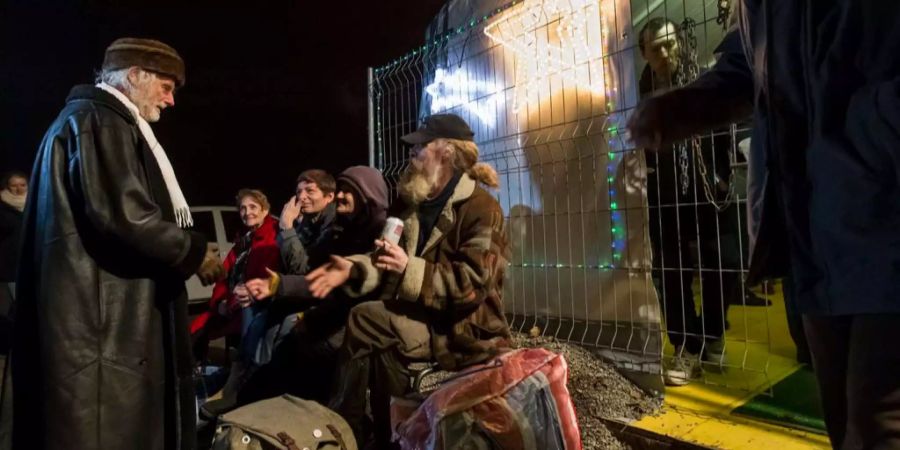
<point x="304" y="362"/>
<point x="101" y="356"/>
<point x="12" y="205"/>
<point x="306" y="222"/>
<point x="822" y="81"/>
<point x="682" y="213"/>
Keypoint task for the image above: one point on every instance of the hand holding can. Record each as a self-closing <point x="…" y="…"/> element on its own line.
<point x="393" y="229"/>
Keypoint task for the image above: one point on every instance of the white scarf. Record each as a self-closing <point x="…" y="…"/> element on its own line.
<point x="16" y="201"/>
<point x="182" y="210"/>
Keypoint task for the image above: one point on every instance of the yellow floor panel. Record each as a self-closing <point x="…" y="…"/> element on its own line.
<point x="759" y="353"/>
<point x="728" y="432"/>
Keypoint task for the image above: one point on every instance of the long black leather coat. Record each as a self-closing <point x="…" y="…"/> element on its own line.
<point x="101" y="357"/>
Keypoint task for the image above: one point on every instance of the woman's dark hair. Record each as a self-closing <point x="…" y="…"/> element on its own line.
<point x="323" y="180"/>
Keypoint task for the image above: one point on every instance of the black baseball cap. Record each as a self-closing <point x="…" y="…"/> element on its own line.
<point x="447" y="126"/>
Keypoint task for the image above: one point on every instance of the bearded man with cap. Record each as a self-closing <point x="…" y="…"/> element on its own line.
<point x="439" y="289"/>
<point x="101" y="355"/>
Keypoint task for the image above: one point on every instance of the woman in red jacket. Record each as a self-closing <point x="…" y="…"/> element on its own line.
<point x="232" y="312"/>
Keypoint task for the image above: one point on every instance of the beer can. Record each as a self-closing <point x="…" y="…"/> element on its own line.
<point x="393" y="229"/>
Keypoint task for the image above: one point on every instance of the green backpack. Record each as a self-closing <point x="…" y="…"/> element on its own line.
<point x="283" y="423"/>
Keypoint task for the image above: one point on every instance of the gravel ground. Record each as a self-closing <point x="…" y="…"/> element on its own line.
<point x="597" y="390"/>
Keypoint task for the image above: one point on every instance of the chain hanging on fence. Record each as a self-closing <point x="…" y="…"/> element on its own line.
<point x="724" y="13"/>
<point x="688" y="72"/>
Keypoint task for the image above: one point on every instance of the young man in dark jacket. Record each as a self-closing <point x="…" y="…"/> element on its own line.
<point x="101" y="355"/>
<point x="306" y="222"/>
<point x="303" y="362"/>
<point x="823" y="82"/>
<point x="437" y="295"/>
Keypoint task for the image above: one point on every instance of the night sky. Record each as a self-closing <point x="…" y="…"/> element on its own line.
<point x="272" y="88"/>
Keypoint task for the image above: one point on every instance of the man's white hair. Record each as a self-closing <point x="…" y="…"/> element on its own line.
<point x="118" y="79"/>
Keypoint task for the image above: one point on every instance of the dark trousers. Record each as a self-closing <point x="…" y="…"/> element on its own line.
<point x="674" y="230"/>
<point x="795" y="320"/>
<point x="857" y="363"/>
<point x="381" y="339"/>
<point x="302" y="365"/>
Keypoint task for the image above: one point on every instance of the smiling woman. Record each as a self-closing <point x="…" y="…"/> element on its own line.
<point x="232" y="312"/>
<point x="253" y="207"/>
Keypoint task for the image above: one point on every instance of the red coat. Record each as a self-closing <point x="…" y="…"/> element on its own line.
<point x="263" y="254"/>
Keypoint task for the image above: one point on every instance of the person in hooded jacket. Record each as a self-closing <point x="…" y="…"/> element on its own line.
<point x="304" y="360"/>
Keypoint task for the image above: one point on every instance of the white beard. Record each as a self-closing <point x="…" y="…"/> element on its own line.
<point x="148" y="111"/>
<point x="415" y="185"/>
<point x="138" y="94"/>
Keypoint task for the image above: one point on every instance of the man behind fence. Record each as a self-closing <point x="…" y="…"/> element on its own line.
<point x="683" y="215"/>
<point x="101" y="357"/>
<point x="440" y="287"/>
<point x="823" y="82"/>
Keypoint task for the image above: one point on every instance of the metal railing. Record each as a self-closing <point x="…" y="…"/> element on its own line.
<point x="599" y="229"/>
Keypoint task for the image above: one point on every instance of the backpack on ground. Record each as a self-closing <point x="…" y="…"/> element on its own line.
<point x="283" y="423"/>
<point x="519" y="400"/>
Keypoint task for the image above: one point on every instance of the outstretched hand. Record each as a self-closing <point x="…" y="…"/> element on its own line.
<point x="329" y="276"/>
<point x="646" y="123"/>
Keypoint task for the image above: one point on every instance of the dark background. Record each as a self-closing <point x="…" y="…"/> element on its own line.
<point x="273" y="88"/>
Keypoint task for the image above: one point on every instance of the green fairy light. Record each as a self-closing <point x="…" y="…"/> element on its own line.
<point x="611" y="155"/>
<point x="614" y="205"/>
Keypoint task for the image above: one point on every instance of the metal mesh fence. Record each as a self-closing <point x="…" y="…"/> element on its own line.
<point x="613" y="248"/>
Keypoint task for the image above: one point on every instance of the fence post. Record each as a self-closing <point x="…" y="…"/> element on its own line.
<point x="369" y="91"/>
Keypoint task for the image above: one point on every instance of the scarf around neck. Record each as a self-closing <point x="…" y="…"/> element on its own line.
<point x="182" y="210"/>
<point x="16" y="201"/>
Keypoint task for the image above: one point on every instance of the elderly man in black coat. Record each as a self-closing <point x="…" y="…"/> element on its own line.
<point x="822" y="78"/>
<point x="101" y="356"/>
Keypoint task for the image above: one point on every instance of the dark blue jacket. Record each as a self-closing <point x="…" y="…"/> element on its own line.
<point x="821" y="77"/>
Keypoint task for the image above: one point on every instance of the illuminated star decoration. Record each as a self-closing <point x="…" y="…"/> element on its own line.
<point x="552" y="37"/>
<point x="454" y="89"/>
<point x="564" y="39"/>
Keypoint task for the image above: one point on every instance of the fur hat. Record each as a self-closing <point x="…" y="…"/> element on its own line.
<point x="148" y="54"/>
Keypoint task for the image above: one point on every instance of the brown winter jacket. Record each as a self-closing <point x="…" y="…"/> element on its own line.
<point x="458" y="279"/>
